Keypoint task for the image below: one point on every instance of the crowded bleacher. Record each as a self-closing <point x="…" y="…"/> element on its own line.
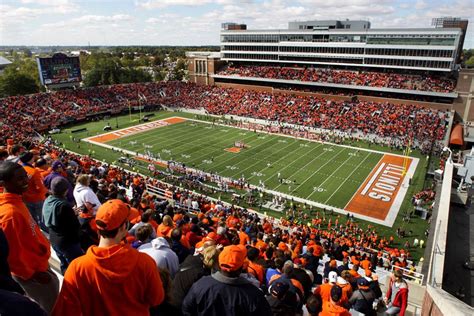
<point x="344" y="77"/>
<point x="193" y="252"/>
<point x="22" y="115"/>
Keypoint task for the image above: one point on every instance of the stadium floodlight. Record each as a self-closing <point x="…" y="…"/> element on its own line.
<point x="450" y="158"/>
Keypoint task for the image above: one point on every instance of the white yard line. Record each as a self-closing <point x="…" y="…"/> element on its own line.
<point x="259" y="161"/>
<point x="348" y="177"/>
<point x="370" y="173"/>
<point x="276" y="162"/>
<point x="327" y="178"/>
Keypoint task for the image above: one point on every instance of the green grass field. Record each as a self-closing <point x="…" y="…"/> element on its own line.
<point x="324" y="173"/>
<point x="291" y="159"/>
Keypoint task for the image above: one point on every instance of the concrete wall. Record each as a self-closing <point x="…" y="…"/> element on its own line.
<point x="437" y="302"/>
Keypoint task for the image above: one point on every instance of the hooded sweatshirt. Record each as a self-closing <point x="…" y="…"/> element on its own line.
<point x="116" y="280"/>
<point x="61" y="220"/>
<point x="331" y="309"/>
<point x="29" y="248"/>
<point x="160" y="251"/>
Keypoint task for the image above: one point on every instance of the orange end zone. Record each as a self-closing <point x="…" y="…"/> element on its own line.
<point x="161" y="164"/>
<point x="234" y="150"/>
<point x="174" y="120"/>
<point x="104" y="138"/>
<point x="376" y="195"/>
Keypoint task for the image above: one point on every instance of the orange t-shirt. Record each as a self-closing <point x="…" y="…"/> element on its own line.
<point x="29" y="248"/>
<point x="116" y="280"/>
<point x="324" y="290"/>
<point x="164" y="231"/>
<point x="256" y="270"/>
<point x="244" y="238"/>
<point x="36" y="190"/>
<point x="330" y="309"/>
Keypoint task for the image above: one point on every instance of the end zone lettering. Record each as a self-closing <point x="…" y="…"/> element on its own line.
<point x="379" y="193"/>
<point x="387" y="183"/>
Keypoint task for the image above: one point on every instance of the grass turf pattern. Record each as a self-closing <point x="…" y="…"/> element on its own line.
<point x="324" y="173"/>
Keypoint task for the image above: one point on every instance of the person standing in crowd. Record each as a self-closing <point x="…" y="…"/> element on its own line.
<point x="85" y="198"/>
<point x="111" y="278"/>
<point x="363" y="298"/>
<point x="15" y="152"/>
<point x="57" y="170"/>
<point x="192" y="269"/>
<point x="225" y="292"/>
<point x="28" y="262"/>
<point x="175" y="243"/>
<point x="396" y="298"/>
<point x="165" y="258"/>
<point x="324" y="290"/>
<point x="12" y="301"/>
<point x="62" y="222"/>
<point x="333" y="306"/>
<point x="36" y="193"/>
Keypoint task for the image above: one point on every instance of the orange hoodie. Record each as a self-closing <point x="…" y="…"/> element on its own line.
<point x="36" y="190"/>
<point x="116" y="280"/>
<point x="330" y="309"/>
<point x="29" y="249"/>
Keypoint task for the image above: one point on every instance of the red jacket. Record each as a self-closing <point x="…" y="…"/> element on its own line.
<point x="401" y="298"/>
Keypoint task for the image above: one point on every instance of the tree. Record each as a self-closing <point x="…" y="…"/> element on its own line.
<point x="15" y="82"/>
<point x="470" y="62"/>
<point x="179" y="71"/>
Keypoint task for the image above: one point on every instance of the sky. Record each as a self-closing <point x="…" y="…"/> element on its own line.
<point x="197" y="22"/>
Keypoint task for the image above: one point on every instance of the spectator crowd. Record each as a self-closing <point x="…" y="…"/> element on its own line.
<point x="21" y="116"/>
<point x="125" y="251"/>
<point x="345" y="77"/>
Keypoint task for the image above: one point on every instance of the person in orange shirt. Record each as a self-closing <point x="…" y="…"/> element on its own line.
<point x="333" y="306"/>
<point x="29" y="248"/>
<point x="111" y="278"/>
<point x="324" y="290"/>
<point x="43" y="167"/>
<point x="354" y="271"/>
<point x="244" y="238"/>
<point x="254" y="268"/>
<point x="35" y="195"/>
<point x="365" y="263"/>
<point x="165" y="228"/>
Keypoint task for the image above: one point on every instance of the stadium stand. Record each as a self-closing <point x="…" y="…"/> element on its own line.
<point x="346" y="77"/>
<point x="287" y="260"/>
<point x="403" y="122"/>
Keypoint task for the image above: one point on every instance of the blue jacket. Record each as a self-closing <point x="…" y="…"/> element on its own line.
<point x="218" y="295"/>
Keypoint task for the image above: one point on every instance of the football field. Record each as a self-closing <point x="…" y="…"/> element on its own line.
<point x="366" y="182"/>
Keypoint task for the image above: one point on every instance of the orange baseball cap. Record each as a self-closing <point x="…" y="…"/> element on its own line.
<point x="232" y="257"/>
<point x="112" y="213"/>
<point x="282" y="246"/>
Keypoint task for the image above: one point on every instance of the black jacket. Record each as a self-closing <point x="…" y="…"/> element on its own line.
<point x="189" y="272"/>
<point x="218" y="295"/>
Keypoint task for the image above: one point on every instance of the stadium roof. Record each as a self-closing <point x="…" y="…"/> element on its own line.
<point x="4" y="61"/>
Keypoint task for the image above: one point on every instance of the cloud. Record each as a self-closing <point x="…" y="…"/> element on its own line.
<point x="156" y="4"/>
<point x="420" y="5"/>
<point x="88" y="20"/>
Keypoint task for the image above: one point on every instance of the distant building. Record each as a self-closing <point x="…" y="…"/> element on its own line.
<point x="346" y="43"/>
<point x="202" y="65"/>
<point x="4" y="63"/>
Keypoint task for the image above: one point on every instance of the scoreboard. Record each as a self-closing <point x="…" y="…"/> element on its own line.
<point x="59" y="69"/>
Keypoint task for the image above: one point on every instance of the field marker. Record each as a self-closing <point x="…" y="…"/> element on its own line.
<point x="348" y="177"/>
